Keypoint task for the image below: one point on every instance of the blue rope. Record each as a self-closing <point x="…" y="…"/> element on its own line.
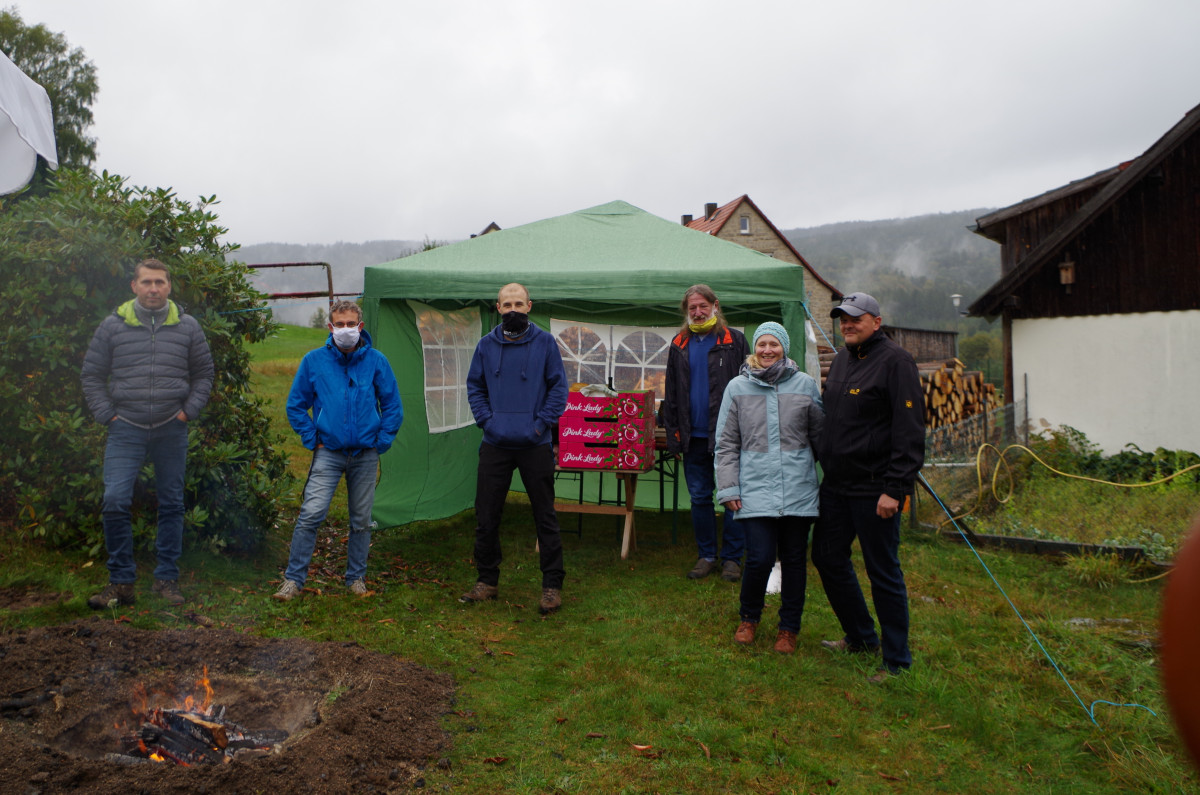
<point x="1091" y="711"/>
<point x="816" y="323"/>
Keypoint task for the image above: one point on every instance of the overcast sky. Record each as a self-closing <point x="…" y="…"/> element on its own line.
<point x="317" y="122"/>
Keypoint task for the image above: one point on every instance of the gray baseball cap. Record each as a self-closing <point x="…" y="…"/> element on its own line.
<point x="856" y="304"/>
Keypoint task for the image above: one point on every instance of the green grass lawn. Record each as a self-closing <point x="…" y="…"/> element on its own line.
<point x="636" y="685"/>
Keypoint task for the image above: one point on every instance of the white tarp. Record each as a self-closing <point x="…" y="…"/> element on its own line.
<point x="26" y="127"/>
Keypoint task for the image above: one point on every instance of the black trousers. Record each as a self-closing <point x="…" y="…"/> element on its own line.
<point x="496" y="465"/>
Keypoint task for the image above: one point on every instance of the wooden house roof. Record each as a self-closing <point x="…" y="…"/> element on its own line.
<point x="1128" y="175"/>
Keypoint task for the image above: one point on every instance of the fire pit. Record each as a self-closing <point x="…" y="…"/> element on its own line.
<point x="265" y="714"/>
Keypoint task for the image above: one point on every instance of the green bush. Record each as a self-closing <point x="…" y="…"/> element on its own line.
<point x="66" y="260"/>
<point x="1069" y="450"/>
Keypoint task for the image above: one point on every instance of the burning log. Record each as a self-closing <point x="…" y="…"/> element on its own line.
<point x="184" y="737"/>
<point x="195" y="726"/>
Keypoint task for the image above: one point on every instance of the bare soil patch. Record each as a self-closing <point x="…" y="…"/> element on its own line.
<point x="359" y="721"/>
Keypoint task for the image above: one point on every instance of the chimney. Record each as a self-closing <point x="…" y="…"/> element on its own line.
<point x="709" y="210"/>
<point x="685" y="220"/>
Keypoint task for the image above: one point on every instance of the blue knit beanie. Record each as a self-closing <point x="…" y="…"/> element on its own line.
<point x="775" y="330"/>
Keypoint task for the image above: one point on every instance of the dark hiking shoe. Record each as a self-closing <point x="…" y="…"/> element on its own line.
<point x="745" y="633"/>
<point x="702" y="569"/>
<point x="480" y="592"/>
<point x="114" y="594"/>
<point x="168" y="590"/>
<point x="551" y="600"/>
<point x="841" y="644"/>
<point x="785" y="642"/>
<point x="731" y="571"/>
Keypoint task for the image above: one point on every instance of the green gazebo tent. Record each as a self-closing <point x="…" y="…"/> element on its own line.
<point x="612" y="264"/>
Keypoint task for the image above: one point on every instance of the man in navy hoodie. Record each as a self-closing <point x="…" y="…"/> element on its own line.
<point x="517" y="389"/>
<point x="345" y="405"/>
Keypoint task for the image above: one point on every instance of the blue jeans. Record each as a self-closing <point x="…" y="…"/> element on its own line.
<point x="701" y="483"/>
<point x="842" y="520"/>
<point x="125" y="452"/>
<point x="328" y="466"/>
<point x="785" y="537"/>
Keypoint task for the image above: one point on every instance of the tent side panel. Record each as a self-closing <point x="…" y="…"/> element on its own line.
<point x="424" y="475"/>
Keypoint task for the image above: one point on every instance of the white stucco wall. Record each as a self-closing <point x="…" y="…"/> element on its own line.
<point x="1117" y="378"/>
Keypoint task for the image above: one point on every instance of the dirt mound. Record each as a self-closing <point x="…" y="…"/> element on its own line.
<point x="358" y="721"/>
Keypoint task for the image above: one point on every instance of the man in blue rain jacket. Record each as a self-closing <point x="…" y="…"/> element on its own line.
<point x="345" y="405"/>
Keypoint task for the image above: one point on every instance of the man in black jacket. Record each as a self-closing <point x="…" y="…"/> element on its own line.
<point x="146" y="375"/>
<point x="703" y="358"/>
<point x="871" y="451"/>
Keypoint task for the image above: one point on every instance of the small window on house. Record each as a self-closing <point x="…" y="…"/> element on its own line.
<point x="745" y="230"/>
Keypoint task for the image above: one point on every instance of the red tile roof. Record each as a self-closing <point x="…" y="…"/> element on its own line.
<point x="714" y="224"/>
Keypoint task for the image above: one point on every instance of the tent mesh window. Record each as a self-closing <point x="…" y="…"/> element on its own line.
<point x="584" y="353"/>
<point x="641" y="359"/>
<point x="623" y="357"/>
<point x="448" y="341"/>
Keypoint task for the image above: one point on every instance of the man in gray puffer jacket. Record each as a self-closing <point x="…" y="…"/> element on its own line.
<point x="147" y="373"/>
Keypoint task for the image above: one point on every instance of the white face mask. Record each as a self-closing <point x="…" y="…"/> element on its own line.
<point x="346" y="338"/>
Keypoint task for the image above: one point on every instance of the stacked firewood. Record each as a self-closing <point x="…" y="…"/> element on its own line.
<point x="952" y="393"/>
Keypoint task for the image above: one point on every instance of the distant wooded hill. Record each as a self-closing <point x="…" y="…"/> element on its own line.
<point x="912" y="265"/>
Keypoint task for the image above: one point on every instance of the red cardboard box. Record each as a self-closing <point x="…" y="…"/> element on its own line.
<point x="573" y="455"/>
<point x="626" y="405"/>
<point x="626" y="434"/>
<point x="607" y="432"/>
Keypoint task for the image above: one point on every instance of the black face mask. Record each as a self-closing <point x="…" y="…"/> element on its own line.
<point x="514" y="323"/>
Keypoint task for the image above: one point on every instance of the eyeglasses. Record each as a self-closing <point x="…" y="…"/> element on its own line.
<point x="349" y="324"/>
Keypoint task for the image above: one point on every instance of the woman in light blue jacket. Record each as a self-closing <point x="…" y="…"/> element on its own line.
<point x="766" y="471"/>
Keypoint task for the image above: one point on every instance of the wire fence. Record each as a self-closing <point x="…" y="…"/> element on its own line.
<point x="951" y="451"/>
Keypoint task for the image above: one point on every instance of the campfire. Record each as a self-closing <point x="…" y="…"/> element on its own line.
<point x="85" y="706"/>
<point x="193" y="732"/>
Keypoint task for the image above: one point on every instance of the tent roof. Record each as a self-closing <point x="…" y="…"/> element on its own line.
<point x="613" y="253"/>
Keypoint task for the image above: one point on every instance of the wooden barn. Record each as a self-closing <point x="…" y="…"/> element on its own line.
<point x="1100" y="298"/>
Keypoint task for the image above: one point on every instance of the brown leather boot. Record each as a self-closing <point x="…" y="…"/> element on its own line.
<point x="785" y="642"/>
<point x="745" y="633"/>
<point x="480" y="592"/>
<point x="114" y="594"/>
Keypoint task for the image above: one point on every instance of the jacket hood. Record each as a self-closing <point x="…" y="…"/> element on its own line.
<point x="511" y="353"/>
<point x="128" y="313"/>
<point x="497" y="334"/>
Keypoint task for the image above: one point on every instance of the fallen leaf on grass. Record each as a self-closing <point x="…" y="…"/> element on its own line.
<point x="199" y="620"/>
<point x="509" y="653"/>
<point x="560" y="720"/>
<point x="939" y="728"/>
<point x="594" y="735"/>
<point x="88" y="565"/>
<point x="890" y="778"/>
<point x="637" y="747"/>
<point x="386" y="621"/>
<point x="496" y="760"/>
<point x="707" y="753"/>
